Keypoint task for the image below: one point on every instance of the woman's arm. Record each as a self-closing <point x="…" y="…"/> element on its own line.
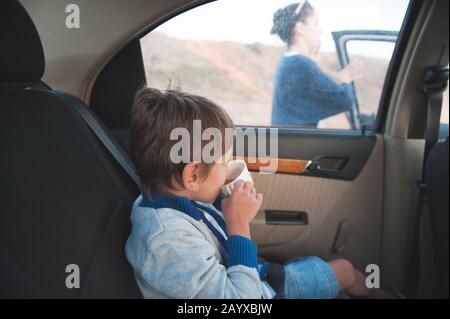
<point x="348" y="74"/>
<point x="329" y="97"/>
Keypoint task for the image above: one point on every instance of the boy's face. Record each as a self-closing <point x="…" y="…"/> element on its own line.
<point x="206" y="189"/>
<point x="210" y="188"/>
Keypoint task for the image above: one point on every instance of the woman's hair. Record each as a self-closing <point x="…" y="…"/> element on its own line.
<point x="285" y="19"/>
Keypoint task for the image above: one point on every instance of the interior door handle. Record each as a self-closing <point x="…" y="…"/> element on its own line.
<point x="326" y="166"/>
<point x="314" y="168"/>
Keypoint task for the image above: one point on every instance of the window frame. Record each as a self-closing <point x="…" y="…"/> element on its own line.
<point x="404" y="36"/>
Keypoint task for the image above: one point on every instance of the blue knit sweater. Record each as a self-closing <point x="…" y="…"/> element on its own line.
<point x="304" y="94"/>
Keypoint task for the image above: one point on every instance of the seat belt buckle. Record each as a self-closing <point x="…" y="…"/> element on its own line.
<point x="435" y="79"/>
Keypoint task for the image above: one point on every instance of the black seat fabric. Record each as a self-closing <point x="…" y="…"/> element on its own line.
<point x="437" y="184"/>
<point x="64" y="199"/>
<point x="21" y="56"/>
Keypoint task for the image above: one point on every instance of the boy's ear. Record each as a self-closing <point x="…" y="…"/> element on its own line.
<point x="191" y="177"/>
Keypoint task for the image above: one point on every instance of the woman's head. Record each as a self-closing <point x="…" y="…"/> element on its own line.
<point x="297" y="22"/>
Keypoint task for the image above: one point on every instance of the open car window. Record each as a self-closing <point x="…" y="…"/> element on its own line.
<point x="225" y="50"/>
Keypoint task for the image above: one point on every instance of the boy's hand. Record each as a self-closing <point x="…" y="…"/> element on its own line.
<point x="240" y="208"/>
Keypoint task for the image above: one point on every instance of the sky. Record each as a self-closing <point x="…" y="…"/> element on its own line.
<point x="250" y="21"/>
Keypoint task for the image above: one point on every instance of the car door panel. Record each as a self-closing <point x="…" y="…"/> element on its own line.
<point x="299" y="146"/>
<point x="328" y="204"/>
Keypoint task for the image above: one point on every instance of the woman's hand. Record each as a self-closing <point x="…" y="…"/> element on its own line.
<point x="240" y="208"/>
<point x="350" y="73"/>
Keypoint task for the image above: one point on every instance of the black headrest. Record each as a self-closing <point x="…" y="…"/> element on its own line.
<point x="21" y="54"/>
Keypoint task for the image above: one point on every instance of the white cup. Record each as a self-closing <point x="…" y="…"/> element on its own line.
<point x="237" y="171"/>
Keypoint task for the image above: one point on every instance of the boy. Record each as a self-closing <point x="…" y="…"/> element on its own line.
<point x="181" y="246"/>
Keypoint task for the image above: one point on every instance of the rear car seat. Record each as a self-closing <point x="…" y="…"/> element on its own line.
<point x="64" y="199"/>
<point x="437" y="178"/>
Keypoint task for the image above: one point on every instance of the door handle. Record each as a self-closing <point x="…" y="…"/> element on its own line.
<point x="326" y="166"/>
<point x="278" y="217"/>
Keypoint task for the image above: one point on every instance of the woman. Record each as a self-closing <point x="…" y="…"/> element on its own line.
<point x="303" y="93"/>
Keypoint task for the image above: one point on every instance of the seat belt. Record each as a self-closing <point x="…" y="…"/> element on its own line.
<point x="433" y="84"/>
<point x="101" y="132"/>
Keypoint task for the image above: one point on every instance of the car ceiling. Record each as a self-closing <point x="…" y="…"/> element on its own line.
<point x="75" y="57"/>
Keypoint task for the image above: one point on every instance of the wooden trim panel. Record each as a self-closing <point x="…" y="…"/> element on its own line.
<point x="285" y="166"/>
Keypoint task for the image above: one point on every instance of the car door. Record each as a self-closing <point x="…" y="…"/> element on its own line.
<point x="342" y="39"/>
<point x="324" y="199"/>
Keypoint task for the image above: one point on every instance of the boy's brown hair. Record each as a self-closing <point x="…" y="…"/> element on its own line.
<point x="153" y="117"/>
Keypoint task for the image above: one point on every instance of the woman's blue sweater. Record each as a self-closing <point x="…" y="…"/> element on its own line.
<point x="304" y="94"/>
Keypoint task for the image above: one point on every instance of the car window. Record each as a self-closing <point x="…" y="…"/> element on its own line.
<point x="275" y="62"/>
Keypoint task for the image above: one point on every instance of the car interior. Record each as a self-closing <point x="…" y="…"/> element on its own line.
<point x="373" y="195"/>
